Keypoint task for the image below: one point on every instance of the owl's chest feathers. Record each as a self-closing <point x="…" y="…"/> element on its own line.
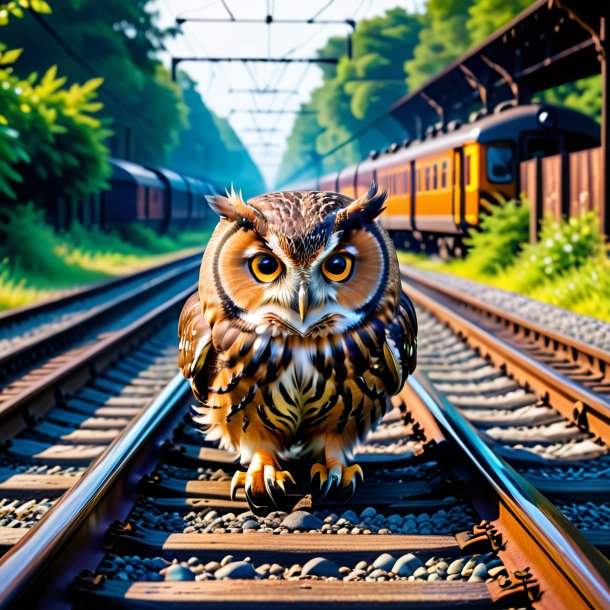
<point x="307" y="393"/>
<point x="297" y="388"/>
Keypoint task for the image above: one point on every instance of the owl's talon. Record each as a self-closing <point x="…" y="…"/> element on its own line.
<point x="319" y="470"/>
<point x="338" y="477"/>
<point x="352" y="478"/>
<point x="238" y="480"/>
<point x="274" y="482"/>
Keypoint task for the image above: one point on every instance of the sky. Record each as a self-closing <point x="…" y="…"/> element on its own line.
<point x="264" y="134"/>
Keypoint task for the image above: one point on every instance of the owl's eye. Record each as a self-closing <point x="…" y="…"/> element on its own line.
<point x="338" y="267"/>
<point x="265" y="268"/>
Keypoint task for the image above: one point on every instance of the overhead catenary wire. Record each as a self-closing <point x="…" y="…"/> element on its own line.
<point x="319" y="12"/>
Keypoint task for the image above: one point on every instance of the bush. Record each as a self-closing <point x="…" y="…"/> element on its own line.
<point x="146" y="239"/>
<point x="563" y="246"/>
<point x="59" y="142"/>
<point x="32" y="247"/>
<point x="48" y="133"/>
<point x="501" y="237"/>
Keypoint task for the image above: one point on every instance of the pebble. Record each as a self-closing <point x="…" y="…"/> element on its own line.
<point x="350" y="516"/>
<point x="319" y="566"/>
<point x="369" y="511"/>
<point x="406" y="565"/>
<point x="236" y="569"/>
<point x="421" y="571"/>
<point x="178" y="572"/>
<point x="493" y="572"/>
<point x="250" y="525"/>
<point x="455" y="567"/>
<point x="479" y="574"/>
<point x="384" y="562"/>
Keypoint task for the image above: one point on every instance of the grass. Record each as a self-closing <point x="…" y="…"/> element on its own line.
<point x="568" y="266"/>
<point x="36" y="262"/>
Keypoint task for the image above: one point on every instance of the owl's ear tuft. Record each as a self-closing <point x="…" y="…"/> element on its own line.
<point x="233" y="207"/>
<point x="221" y="205"/>
<point x="362" y="210"/>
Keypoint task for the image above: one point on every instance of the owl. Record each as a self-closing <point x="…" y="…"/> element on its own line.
<point x="297" y="336"/>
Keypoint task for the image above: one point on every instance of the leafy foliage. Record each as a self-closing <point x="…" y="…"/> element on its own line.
<point x="35" y="260"/>
<point x="563" y="245"/>
<point x="501" y="237"/>
<point x="118" y="41"/>
<point x="444" y="38"/>
<point x="357" y="91"/>
<point x="48" y="132"/>
<point x="50" y="136"/>
<point x="487" y="16"/>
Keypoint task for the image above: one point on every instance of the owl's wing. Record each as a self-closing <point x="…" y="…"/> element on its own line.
<point x="195" y="342"/>
<point x="400" y="348"/>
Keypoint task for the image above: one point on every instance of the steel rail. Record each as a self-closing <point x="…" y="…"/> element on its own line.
<point x="566" y="394"/>
<point x="10" y="357"/>
<point x="18" y="314"/>
<point x="504" y="315"/>
<point x="34" y="552"/>
<point x="90" y="360"/>
<point x="581" y="563"/>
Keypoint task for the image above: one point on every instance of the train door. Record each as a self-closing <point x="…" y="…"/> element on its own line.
<point x="472" y="174"/>
<point x="458" y="186"/>
<point x="411" y="191"/>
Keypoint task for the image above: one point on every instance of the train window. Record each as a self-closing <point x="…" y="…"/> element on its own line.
<point x="468" y="170"/>
<point x="541" y="147"/>
<point x="444" y="166"/>
<point x="406" y="181"/>
<point x="427" y="186"/>
<point x="500" y="163"/>
<point x="435" y="177"/>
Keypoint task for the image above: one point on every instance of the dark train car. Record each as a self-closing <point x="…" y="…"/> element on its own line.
<point x="136" y="195"/>
<point x="199" y="210"/>
<point x="177" y="198"/>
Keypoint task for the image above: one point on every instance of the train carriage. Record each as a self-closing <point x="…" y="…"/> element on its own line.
<point x="176" y="197"/>
<point x="439" y="186"/>
<point x="137" y="195"/>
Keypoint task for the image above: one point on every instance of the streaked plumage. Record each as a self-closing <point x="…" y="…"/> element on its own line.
<point x="283" y="358"/>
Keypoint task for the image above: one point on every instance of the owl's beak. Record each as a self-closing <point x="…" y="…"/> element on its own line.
<point x="303" y="301"/>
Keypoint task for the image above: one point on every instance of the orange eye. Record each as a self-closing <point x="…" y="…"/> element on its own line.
<point x="338" y="267"/>
<point x="265" y="268"/>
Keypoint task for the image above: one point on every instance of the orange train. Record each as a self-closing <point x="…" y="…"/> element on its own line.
<point x="439" y="185"/>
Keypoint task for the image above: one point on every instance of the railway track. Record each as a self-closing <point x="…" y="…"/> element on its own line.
<point x="132" y="508"/>
<point x="39" y="334"/>
<point x="540" y="399"/>
<point x="119" y="343"/>
<point x="441" y="521"/>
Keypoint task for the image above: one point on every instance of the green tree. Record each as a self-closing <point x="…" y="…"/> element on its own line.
<point x="444" y="38"/>
<point x="48" y="132"/>
<point x="118" y="41"/>
<point x="355" y="93"/>
<point x="487" y="16"/>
